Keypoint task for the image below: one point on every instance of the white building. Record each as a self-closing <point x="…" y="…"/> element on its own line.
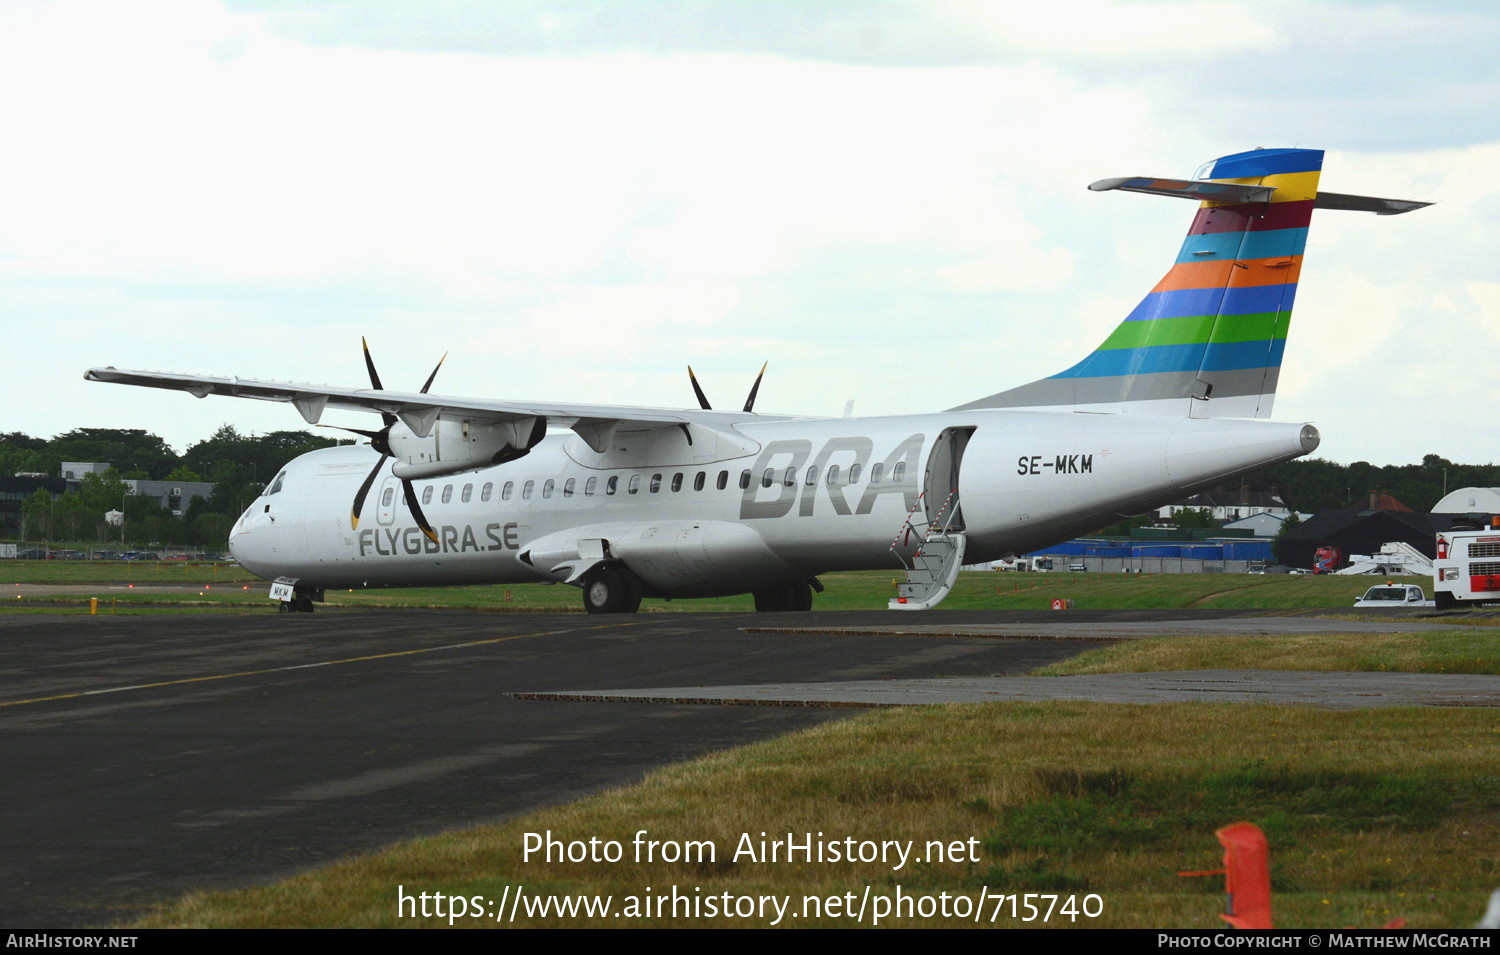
<point x="1470" y="500"/>
<point x="1264" y="524"/>
<point x="1231" y="506"/>
<point x="73" y="471"/>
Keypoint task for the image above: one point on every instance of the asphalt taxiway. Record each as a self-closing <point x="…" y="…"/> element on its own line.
<point x="147" y="756"/>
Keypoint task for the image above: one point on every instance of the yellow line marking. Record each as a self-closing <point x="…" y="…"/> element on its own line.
<point x="306" y="666"/>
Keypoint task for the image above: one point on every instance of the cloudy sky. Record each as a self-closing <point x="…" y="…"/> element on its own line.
<point x="885" y="198"/>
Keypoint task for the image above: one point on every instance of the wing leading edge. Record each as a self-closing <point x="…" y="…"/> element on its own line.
<point x="596" y="424"/>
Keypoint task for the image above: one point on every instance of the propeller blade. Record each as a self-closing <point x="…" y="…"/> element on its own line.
<point x="434" y="373"/>
<point x="372" y="435"/>
<point x="386" y="417"/>
<point x="370" y="365"/>
<point x="755" y="389"/>
<point x="364" y="489"/>
<point x="702" y="398"/>
<point x="416" y="512"/>
<point x="379" y="440"/>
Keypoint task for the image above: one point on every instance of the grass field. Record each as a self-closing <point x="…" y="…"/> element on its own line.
<point x="1461" y="651"/>
<point x="220" y="587"/>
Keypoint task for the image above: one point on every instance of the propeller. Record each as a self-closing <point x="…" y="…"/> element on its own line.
<point x="380" y="441"/>
<point x="749" y="401"/>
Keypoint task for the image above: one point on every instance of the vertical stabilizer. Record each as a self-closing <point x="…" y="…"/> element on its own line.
<point x="1207" y="341"/>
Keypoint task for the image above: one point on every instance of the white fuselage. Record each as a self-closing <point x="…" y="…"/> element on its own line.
<point x="698" y="511"/>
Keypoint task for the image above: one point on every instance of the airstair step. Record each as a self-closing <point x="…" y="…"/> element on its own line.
<point x="932" y="573"/>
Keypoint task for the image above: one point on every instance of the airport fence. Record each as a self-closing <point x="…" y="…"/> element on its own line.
<point x="46" y="550"/>
<point x="1078" y="563"/>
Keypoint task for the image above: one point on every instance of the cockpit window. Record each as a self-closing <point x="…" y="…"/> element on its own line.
<point x="276" y="484"/>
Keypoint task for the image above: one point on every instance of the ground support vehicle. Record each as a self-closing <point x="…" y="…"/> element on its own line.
<point x="1466" y="571"/>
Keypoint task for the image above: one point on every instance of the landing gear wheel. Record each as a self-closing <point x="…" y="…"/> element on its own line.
<point x="793" y="596"/>
<point x="611" y="590"/>
<point x="300" y="603"/>
<point x="771" y="600"/>
<point x="802" y="595"/>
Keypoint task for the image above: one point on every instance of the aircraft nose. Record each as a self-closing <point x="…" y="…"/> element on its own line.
<point x="247" y="542"/>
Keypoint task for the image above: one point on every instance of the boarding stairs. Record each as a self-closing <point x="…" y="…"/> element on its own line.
<point x="933" y="567"/>
<point x="1394" y="557"/>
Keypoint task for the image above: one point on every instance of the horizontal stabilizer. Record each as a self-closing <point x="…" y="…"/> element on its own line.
<point x="1187" y="189"/>
<point x="1381" y="207"/>
<point x="1209" y="191"/>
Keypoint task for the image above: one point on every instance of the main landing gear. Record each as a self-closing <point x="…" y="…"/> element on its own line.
<point x="793" y="595"/>
<point x="610" y="588"/>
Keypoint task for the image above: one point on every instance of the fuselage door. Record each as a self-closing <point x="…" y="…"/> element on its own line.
<point x="940" y="483"/>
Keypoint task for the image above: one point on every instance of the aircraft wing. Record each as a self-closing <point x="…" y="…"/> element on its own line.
<point x="594" y="423"/>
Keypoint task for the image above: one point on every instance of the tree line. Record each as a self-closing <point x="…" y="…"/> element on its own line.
<point x="1313" y="484"/>
<point x="238" y="465"/>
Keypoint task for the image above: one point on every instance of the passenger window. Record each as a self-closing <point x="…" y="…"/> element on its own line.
<point x="388" y="497"/>
<point x="676" y="482"/>
<point x="791" y="477"/>
<point x="744" y="479"/>
<point x="547" y="489"/>
<point x="812" y="476"/>
<point x="507" y="490"/>
<point x="447" y="493"/>
<point x="427" y="494"/>
<point x="635" y="483"/>
<point x="655" y="483"/>
<point x="769" y="478"/>
<point x="526" y="490"/>
<point x="612" y="485"/>
<point x="833" y="475"/>
<point x="467" y="493"/>
<point x="875" y="471"/>
<point x="569" y="486"/>
<point x="486" y="491"/>
<point x="723" y="480"/>
<point x="590" y="486"/>
<point x="898" y="473"/>
<point x="698" y="481"/>
<point x="854" y="473"/>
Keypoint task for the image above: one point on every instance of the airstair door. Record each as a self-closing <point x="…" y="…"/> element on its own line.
<point x="932" y="569"/>
<point x="940" y="483"/>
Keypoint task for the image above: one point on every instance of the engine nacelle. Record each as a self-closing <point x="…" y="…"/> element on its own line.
<point x="455" y="445"/>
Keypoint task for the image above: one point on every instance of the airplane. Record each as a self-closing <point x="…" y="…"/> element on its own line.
<point x="627" y="502"/>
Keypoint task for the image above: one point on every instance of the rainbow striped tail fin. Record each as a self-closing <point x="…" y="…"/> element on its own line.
<point x="1207" y="341"/>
